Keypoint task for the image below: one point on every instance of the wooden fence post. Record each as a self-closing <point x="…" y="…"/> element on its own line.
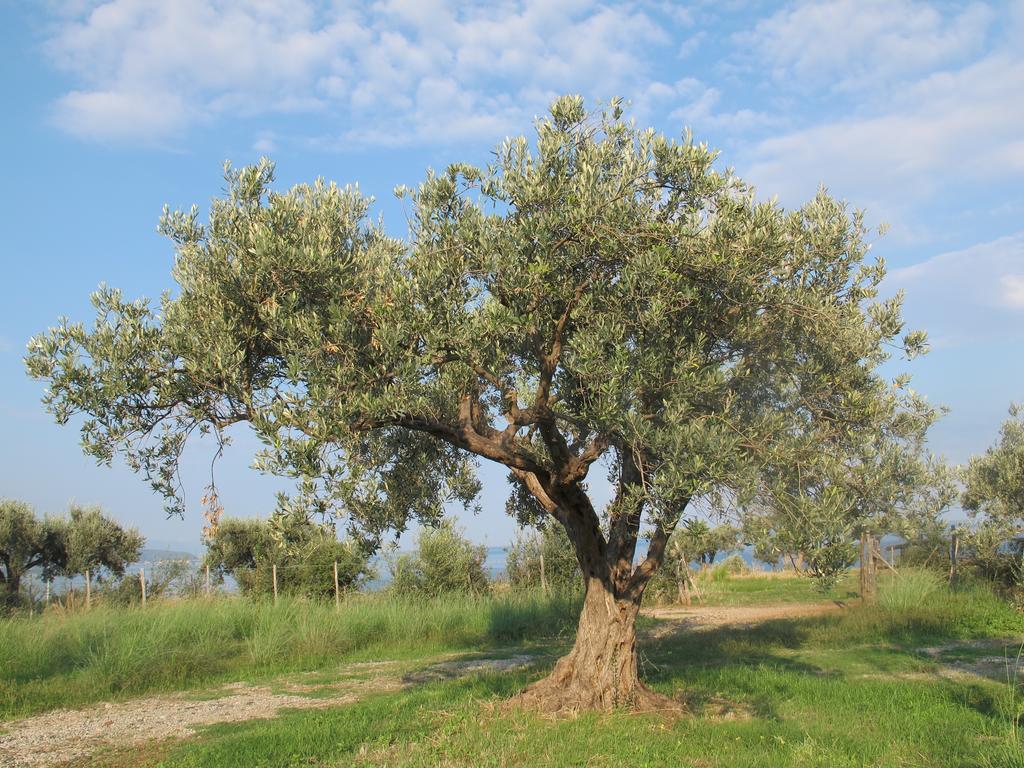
<point x="868" y="583"/>
<point x="142" y="583"/>
<point x="337" y="591"/>
<point x="954" y="556"/>
<point x="88" y="589"/>
<point x="207" y="579"/>
<point x="273" y="570"/>
<point x="47" y="592"/>
<point x="543" y="577"/>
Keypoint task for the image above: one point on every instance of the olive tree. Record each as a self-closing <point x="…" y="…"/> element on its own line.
<point x="543" y="559"/>
<point x="994" y="481"/>
<point x="443" y="562"/>
<point x="600" y="296"/>
<point x="304" y="552"/>
<point x="27" y="542"/>
<point x="94" y="541"/>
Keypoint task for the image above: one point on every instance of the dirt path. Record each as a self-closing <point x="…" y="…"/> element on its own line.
<point x="701" y="616"/>
<point x="67" y="736"/>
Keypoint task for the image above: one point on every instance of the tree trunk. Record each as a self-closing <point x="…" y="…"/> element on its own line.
<point x="13" y="583"/>
<point x="600" y="673"/>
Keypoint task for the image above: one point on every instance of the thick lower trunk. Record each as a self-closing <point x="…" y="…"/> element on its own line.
<point x="600" y="672"/>
<point x="13" y="583"/>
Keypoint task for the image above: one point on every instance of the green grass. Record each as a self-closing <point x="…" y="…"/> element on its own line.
<point x="67" y="660"/>
<point x="759" y="589"/>
<point x="853" y="688"/>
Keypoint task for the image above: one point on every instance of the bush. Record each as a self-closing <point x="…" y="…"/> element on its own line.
<point x="561" y="570"/>
<point x="310" y="571"/>
<point x="444" y="561"/>
<point x="734" y="565"/>
<point x="170" y="577"/>
<point x="303" y="552"/>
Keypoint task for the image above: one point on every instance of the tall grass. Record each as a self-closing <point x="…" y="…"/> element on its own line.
<point x="912" y="589"/>
<point x="918" y="607"/>
<point x="67" y="659"/>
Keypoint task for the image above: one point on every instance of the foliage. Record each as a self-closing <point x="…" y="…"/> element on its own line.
<point x="168" y="578"/>
<point x="523" y="563"/>
<point x="994" y="482"/>
<point x="443" y="562"/>
<point x="27" y="542"/>
<point x="694" y="542"/>
<point x="600" y="295"/>
<point x="698" y="542"/>
<point x="992" y="545"/>
<point x="304" y="553"/>
<point x="94" y="541"/>
<point x="994" y="550"/>
<point x="816" y="519"/>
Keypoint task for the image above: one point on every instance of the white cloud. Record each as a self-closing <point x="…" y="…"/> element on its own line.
<point x="1013" y="290"/>
<point x="947" y="126"/>
<point x="265" y="143"/>
<point x="414" y="70"/>
<point x="974" y="294"/>
<point x="846" y="44"/>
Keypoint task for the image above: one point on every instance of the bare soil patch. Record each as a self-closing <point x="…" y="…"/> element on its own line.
<point x="71" y="736"/>
<point x="710" y="617"/>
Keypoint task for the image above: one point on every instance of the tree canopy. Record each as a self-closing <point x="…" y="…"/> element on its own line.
<point x="994" y="481"/>
<point x="602" y="295"/>
<point x="27" y="542"/>
<point x="94" y="540"/>
<point x="304" y="552"/>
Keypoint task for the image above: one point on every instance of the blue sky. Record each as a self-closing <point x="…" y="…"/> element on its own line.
<point x="911" y="110"/>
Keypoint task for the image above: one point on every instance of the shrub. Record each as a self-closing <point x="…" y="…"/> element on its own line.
<point x="733" y="565"/>
<point x="561" y="570"/>
<point x="444" y="561"/>
<point x="303" y="552"/>
<point x="309" y="572"/>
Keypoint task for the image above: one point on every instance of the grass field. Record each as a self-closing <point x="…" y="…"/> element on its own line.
<point x="758" y="588"/>
<point x="910" y="682"/>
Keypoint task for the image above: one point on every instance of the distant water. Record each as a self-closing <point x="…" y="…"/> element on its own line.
<point x="495" y="565"/>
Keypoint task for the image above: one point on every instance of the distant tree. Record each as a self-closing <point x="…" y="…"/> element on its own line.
<point x="303" y="551"/>
<point x="27" y="542"/>
<point x="444" y="561"/>
<point x="701" y="543"/>
<point x="236" y="545"/>
<point x="994" y="481"/>
<point x="603" y="295"/>
<point x="993" y="494"/>
<point x="523" y="563"/>
<point x="94" y="542"/>
<point x="693" y="542"/>
<point x="814" y="515"/>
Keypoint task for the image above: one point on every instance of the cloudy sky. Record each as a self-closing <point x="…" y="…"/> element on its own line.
<point x="910" y="110"/>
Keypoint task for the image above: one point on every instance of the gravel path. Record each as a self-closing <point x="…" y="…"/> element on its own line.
<point x="64" y="736"/>
<point x="68" y="736"/>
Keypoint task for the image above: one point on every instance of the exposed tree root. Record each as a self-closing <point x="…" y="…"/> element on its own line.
<point x="565" y="693"/>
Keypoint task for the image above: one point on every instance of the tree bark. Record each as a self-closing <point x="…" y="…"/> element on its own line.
<point x="600" y="672"/>
<point x="13" y="583"/>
